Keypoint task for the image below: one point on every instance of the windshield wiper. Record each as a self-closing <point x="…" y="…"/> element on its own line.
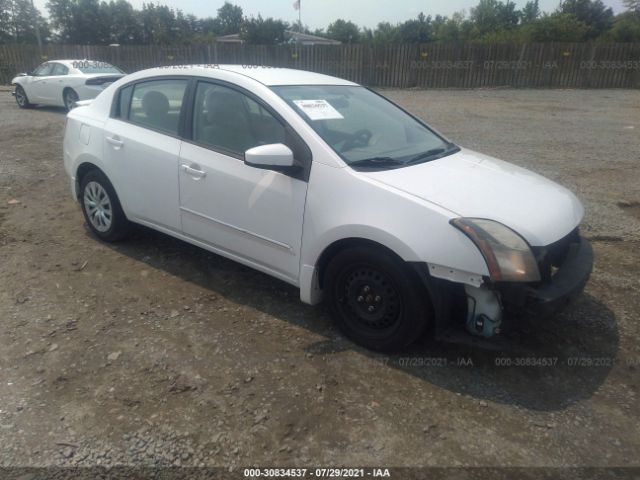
<point x="376" y="162"/>
<point x="430" y="153"/>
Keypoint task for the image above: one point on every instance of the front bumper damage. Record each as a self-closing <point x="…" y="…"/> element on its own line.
<point x="565" y="268"/>
<point x="492" y="308"/>
<point x="552" y="294"/>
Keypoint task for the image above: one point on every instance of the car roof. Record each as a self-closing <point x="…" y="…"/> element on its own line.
<point x="270" y="76"/>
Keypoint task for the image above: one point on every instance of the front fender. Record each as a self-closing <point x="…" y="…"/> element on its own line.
<point x="344" y="204"/>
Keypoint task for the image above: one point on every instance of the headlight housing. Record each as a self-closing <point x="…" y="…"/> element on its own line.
<point x="508" y="256"/>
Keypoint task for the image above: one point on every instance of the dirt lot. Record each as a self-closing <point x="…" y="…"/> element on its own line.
<point x="153" y="352"/>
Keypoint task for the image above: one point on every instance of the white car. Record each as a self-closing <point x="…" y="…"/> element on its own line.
<point x="330" y="187"/>
<point x="62" y="83"/>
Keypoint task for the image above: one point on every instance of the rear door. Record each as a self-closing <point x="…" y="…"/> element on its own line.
<point x="246" y="213"/>
<point x="141" y="147"/>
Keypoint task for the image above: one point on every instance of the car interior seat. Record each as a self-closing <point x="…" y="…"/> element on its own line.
<point x="227" y="122"/>
<point x="156" y="108"/>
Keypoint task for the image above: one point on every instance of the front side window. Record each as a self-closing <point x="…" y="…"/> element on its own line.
<point x="227" y="119"/>
<point x="59" y="69"/>
<point x="43" y="70"/>
<point x="363" y="128"/>
<point x="156" y="104"/>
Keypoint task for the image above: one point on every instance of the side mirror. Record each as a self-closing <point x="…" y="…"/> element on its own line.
<point x="276" y="156"/>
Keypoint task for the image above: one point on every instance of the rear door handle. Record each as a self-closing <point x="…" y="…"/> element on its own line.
<point x="115" y="141"/>
<point x="194" y="172"/>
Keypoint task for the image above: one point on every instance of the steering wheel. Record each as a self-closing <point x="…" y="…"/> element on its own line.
<point x="358" y="139"/>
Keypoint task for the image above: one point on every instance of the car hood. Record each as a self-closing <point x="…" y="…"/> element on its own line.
<point x="470" y="184"/>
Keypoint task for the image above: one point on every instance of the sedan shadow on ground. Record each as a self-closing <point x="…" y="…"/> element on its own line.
<point x="548" y="366"/>
<point x="52" y="109"/>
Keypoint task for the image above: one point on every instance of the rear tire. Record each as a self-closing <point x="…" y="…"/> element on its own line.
<point x="101" y="208"/>
<point x="375" y="299"/>
<point x="70" y="97"/>
<point x="21" y="98"/>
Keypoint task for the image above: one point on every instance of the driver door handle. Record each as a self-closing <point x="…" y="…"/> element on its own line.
<point x="194" y="172"/>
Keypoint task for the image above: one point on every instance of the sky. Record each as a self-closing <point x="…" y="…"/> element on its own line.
<point x="319" y="13"/>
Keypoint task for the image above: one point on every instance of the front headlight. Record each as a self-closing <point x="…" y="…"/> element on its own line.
<point x="508" y="255"/>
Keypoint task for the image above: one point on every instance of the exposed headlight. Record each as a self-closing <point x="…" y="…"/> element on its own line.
<point x="508" y="255"/>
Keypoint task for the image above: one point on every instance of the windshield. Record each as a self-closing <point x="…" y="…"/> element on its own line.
<point x="88" y="66"/>
<point x="365" y="129"/>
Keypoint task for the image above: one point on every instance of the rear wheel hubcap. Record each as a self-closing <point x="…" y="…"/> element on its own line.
<point x="97" y="204"/>
<point x="70" y="100"/>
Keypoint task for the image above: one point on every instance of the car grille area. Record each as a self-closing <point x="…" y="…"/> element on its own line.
<point x="551" y="257"/>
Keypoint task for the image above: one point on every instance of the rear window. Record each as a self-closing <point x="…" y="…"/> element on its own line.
<point x="156" y="104"/>
<point x="88" y="66"/>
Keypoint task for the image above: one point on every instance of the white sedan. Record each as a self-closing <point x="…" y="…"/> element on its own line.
<point x="62" y="83"/>
<point x="332" y="188"/>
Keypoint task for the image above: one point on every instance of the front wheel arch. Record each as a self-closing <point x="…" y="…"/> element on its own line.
<point x="333" y="249"/>
<point x="27" y="103"/>
<point x="376" y="298"/>
<point x="444" y="296"/>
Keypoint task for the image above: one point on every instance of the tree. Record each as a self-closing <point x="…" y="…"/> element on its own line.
<point x="158" y="24"/>
<point x="419" y="30"/>
<point x="493" y="15"/>
<point x="79" y="21"/>
<point x="632" y="5"/>
<point x="21" y="22"/>
<point x="5" y="20"/>
<point x="263" y="32"/>
<point x="230" y="18"/>
<point x="593" y="13"/>
<point x="27" y="22"/>
<point x="60" y="15"/>
<point x="385" y="33"/>
<point x="530" y="12"/>
<point x="123" y="22"/>
<point x="557" y="27"/>
<point x="344" y="31"/>
<point x="626" y="28"/>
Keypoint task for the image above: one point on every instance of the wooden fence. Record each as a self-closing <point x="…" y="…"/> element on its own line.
<point x="539" y="65"/>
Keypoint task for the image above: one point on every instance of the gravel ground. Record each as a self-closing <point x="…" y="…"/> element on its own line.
<point x="153" y="352"/>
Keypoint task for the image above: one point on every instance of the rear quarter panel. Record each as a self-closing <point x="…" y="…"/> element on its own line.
<point x="83" y="141"/>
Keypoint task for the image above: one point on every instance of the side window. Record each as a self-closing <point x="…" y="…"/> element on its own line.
<point x="231" y="121"/>
<point x="156" y="104"/>
<point x="123" y="102"/>
<point x="59" y="69"/>
<point x="43" y="70"/>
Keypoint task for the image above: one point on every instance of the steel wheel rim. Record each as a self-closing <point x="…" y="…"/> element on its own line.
<point x="369" y="300"/>
<point x="70" y="100"/>
<point x="97" y="205"/>
<point x="20" y="96"/>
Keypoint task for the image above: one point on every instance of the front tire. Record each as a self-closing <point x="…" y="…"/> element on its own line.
<point x="375" y="299"/>
<point x="21" y="98"/>
<point x="70" y="97"/>
<point x="101" y="208"/>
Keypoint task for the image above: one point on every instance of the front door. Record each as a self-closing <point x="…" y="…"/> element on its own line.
<point x="40" y="83"/>
<point x="245" y="213"/>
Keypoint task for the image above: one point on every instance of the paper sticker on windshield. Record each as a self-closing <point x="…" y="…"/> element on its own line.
<point x="318" y="109"/>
